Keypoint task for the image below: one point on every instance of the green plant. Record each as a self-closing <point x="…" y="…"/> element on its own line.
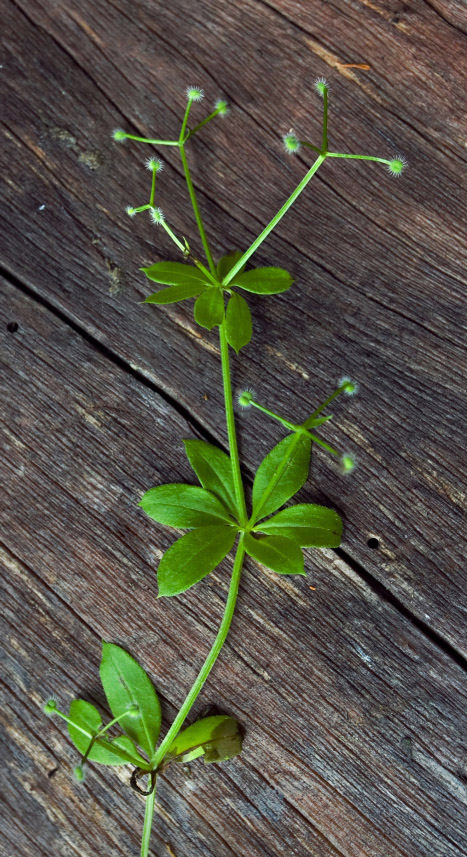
<point x="215" y="512"/>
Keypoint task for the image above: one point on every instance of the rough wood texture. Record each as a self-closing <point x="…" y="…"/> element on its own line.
<point x="100" y="391"/>
<point x="372" y="711"/>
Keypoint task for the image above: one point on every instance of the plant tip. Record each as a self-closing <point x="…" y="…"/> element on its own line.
<point x="130" y="211"/>
<point x="154" y="165"/>
<point x="194" y="93"/>
<point x="347" y="462"/>
<point x="50" y="707"/>
<point x="321" y="86"/>
<point x="291" y="143"/>
<point x="349" y="387"/>
<point x="157" y="215"/>
<point x="119" y="135"/>
<point x="396" y="166"/>
<point x="245" y="398"/>
<point x="222" y="107"/>
<point x="134" y="710"/>
<point x="78" y="771"/>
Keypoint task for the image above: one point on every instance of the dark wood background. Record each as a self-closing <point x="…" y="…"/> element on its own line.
<point x="351" y="692"/>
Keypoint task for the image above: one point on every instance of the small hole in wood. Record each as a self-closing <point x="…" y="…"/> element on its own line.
<point x="12" y="326"/>
<point x="52" y="773"/>
<point x="373" y="543"/>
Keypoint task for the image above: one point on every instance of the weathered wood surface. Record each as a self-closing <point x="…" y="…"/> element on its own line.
<point x="378" y="271"/>
<point x="371" y="701"/>
<point x="353" y="718"/>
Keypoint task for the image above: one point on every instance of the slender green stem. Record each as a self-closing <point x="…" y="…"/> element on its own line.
<point x="153" y="142"/>
<point x="286" y="423"/>
<point x="275" y="220"/>
<point x="310" y="146"/>
<point x="229" y="415"/>
<point x="148" y="817"/>
<point x="358" y="157"/>
<point x="72" y="723"/>
<point x="153" y="188"/>
<point x="196" y="210"/>
<point x="325" y="120"/>
<point x="307" y="424"/>
<point x="201" y="124"/>
<point x="181" y="139"/>
<point x="170" y="232"/>
<point x="211" y="658"/>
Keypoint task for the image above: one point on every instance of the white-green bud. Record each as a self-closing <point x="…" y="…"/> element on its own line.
<point x="291" y="143"/>
<point x="350" y="387"/>
<point x="79" y="773"/>
<point x="157" y="215"/>
<point x="347" y="462"/>
<point x="396" y="166"/>
<point x="222" y="107"/>
<point x="119" y="135"/>
<point x="194" y="93"/>
<point x="134" y="711"/>
<point x="245" y="398"/>
<point x="321" y="86"/>
<point x="130" y="211"/>
<point x="154" y="165"/>
<point x="50" y="707"/>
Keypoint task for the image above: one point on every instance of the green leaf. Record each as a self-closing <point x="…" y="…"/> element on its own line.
<point x="175" y="293"/>
<point x="216" y="738"/>
<point x="209" y="308"/>
<point x="87" y="717"/>
<point x="214" y="470"/>
<point x="307" y="524"/>
<point x="264" y="281"/>
<point x="174" y="274"/>
<point x="184" y="506"/>
<point x="281" y="474"/>
<point x="192" y="557"/>
<point x="238" y="324"/>
<point x="227" y="262"/>
<point x="276" y="552"/>
<point x="126" y="684"/>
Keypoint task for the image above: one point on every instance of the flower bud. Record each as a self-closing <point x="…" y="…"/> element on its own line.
<point x="245" y="398"/>
<point x="79" y="773"/>
<point x="157" y="215"/>
<point x="119" y="135"/>
<point x="134" y="711"/>
<point x="222" y="107"/>
<point x="50" y="707"/>
<point x="347" y="462"/>
<point x="291" y="143"/>
<point x="396" y="166"/>
<point x="154" y="164"/>
<point x="321" y="86"/>
<point x="130" y="211"/>
<point x="194" y="93"/>
<point x="350" y="387"/>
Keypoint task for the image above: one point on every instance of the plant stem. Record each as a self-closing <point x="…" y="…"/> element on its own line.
<point x="325" y="120"/>
<point x="211" y="658"/>
<point x="196" y="210"/>
<point x="201" y="124"/>
<point x="148" y="816"/>
<point x="153" y="142"/>
<point x="357" y="157"/>
<point x="232" y="435"/>
<point x="275" y="220"/>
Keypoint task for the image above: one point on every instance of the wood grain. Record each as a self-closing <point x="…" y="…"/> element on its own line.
<point x="378" y="274"/>
<point x="353" y="718"/>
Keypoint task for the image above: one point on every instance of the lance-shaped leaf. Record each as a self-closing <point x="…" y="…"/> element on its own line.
<point x="184" y="506"/>
<point x="103" y="751"/>
<point x="227" y="262"/>
<point x="307" y="524"/>
<point x="175" y="274"/>
<point x="238" y="324"/>
<point x="264" y="281"/>
<point x="192" y="557"/>
<point x="213" y="468"/>
<point x="215" y="738"/>
<point x="127" y="685"/>
<point x="281" y="474"/>
<point x="276" y="552"/>
<point x="176" y="293"/>
<point x="209" y="307"/>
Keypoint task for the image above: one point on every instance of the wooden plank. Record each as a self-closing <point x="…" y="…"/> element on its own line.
<point x="385" y="306"/>
<point x="372" y="711"/>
